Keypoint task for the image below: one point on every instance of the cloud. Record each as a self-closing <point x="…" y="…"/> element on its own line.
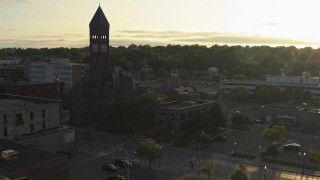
<point x="153" y="38"/>
<point x="45" y="40"/>
<point x="127" y="1"/>
<point x="272" y="24"/>
<point x="12" y="2"/>
<point x="59" y="15"/>
<point x="205" y="38"/>
<point x="29" y="15"/>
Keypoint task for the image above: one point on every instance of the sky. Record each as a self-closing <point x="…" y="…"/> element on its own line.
<point x="65" y="23"/>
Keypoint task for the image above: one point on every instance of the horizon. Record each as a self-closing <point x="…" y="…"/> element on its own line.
<point x="48" y="24"/>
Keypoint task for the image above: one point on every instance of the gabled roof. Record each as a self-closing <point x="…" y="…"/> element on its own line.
<point x="99" y="19"/>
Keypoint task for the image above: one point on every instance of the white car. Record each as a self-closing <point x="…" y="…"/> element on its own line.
<point x="292" y="146"/>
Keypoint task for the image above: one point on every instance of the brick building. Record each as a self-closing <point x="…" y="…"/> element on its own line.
<point x="169" y="116"/>
<point x="54" y="90"/>
<point x="90" y="99"/>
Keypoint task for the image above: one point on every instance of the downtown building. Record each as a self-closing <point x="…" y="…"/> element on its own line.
<point x="170" y="117"/>
<point x="103" y="86"/>
<point x="35" y="122"/>
<point x="307" y="83"/>
<point x="57" y="69"/>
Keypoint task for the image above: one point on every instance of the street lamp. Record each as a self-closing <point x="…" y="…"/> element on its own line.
<point x="121" y="149"/>
<point x="299" y="154"/>
<point x="265" y="172"/>
<point x="160" y="156"/>
<point x="260" y="161"/>
<point x="201" y="134"/>
<point x="304" y="158"/>
<point x="171" y="118"/>
<point x="235" y="147"/>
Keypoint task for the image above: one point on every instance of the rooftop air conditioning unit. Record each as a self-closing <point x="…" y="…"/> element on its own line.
<point x="9" y="154"/>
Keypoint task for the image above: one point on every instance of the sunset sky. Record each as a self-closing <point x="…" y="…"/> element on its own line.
<point x="65" y="23"/>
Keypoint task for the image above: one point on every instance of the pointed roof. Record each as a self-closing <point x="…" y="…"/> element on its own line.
<point x="99" y="19"/>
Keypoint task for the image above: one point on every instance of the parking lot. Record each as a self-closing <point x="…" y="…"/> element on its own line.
<point x="248" y="143"/>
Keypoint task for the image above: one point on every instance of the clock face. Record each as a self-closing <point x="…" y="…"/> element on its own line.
<point x="94" y="47"/>
<point x="104" y="48"/>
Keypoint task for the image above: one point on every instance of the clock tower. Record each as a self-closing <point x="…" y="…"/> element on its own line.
<point x="100" y="71"/>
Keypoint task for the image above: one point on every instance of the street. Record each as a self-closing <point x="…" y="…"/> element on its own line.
<point x="86" y="163"/>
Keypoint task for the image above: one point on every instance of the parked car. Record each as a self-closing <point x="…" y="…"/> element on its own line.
<point x="68" y="154"/>
<point x="116" y="177"/>
<point x="258" y="120"/>
<point x="110" y="167"/>
<point x="292" y="146"/>
<point x="122" y="163"/>
<point x="219" y="138"/>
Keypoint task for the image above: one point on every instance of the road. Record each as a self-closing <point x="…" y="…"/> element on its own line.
<point x="86" y="163"/>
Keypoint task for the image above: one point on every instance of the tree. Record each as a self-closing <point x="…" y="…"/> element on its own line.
<point x="162" y="73"/>
<point x="239" y="173"/>
<point x="274" y="133"/>
<point x="240" y="119"/>
<point x="272" y="151"/>
<point x="281" y="132"/>
<point x="87" y="135"/>
<point x="208" y="168"/>
<point x="149" y="149"/>
<point x="268" y="94"/>
<point x="239" y="93"/>
<point x="138" y="115"/>
<point x="314" y="156"/>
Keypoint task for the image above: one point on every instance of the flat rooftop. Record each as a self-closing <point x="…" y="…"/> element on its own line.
<point x="27" y="157"/>
<point x="182" y="104"/>
<point x="10" y="101"/>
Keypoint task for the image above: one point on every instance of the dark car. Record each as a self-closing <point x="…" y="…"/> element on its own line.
<point x="219" y="138"/>
<point x="122" y="163"/>
<point x="116" y="177"/>
<point x="110" y="167"/>
<point x="292" y="146"/>
<point x="67" y="154"/>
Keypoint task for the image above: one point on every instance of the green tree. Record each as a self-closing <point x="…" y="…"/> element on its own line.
<point x="217" y="115"/>
<point x="138" y="115"/>
<point x="240" y="119"/>
<point x="208" y="168"/>
<point x="269" y="134"/>
<point x="239" y="93"/>
<point x="268" y="94"/>
<point x="87" y="136"/>
<point x="239" y="173"/>
<point x="149" y="149"/>
<point x="272" y="151"/>
<point x="162" y="73"/>
<point x="275" y="133"/>
<point x="281" y="132"/>
<point x="314" y="156"/>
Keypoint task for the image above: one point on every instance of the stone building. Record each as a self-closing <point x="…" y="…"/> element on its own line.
<point x="21" y="115"/>
<point x="90" y="99"/>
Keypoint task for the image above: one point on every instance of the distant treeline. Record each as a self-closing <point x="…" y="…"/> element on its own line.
<point x="232" y="61"/>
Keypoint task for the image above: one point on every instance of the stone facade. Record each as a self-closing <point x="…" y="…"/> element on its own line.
<point x="22" y="115"/>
